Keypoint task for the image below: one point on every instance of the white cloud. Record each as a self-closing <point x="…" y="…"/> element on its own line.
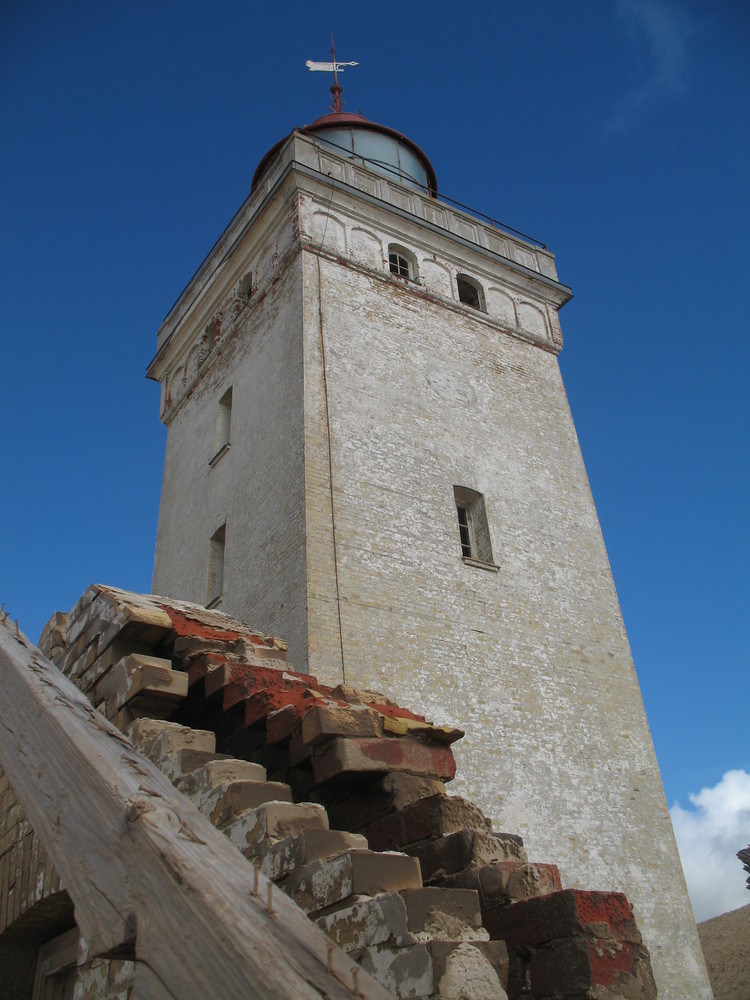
<point x="708" y="837"/>
<point x="660" y="32"/>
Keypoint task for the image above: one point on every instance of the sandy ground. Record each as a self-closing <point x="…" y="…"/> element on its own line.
<point x="726" y="948"/>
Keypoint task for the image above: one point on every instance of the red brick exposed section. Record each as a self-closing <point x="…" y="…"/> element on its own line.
<point x="573" y="942"/>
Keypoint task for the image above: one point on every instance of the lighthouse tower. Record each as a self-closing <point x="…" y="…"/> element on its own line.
<point x="370" y="453"/>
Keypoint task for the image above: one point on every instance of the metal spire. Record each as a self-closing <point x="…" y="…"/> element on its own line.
<point x="337" y="105"/>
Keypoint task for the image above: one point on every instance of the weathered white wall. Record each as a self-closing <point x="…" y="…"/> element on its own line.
<point x="257" y="486"/>
<point x="360" y="400"/>
<point x="532" y="661"/>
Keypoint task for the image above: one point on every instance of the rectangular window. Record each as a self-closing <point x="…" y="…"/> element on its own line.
<point x="223" y="426"/>
<point x="473" y="529"/>
<point x="216" y="549"/>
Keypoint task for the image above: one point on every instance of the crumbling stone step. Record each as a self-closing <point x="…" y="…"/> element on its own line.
<point x="405" y="918"/>
<point x="139" y="685"/>
<point x="455" y="852"/>
<point x="327" y="882"/>
<point x="357" y="806"/>
<point x="426" y="819"/>
<point x="158" y="739"/>
<point x="184" y="762"/>
<point x="198" y="654"/>
<point x="274" y="821"/>
<point x="229" y="803"/>
<point x="441" y="970"/>
<point x="217" y="772"/>
<point x="272" y="687"/>
<point x="278" y="859"/>
<point x="349" y="757"/>
<point x="505" y="882"/>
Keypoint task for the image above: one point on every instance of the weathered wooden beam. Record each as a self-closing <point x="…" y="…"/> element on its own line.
<point x="140" y="862"/>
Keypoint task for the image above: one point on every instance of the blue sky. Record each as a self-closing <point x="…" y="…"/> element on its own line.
<point x="616" y="132"/>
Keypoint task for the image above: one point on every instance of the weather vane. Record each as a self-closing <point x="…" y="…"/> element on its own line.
<point x="337" y="105"/>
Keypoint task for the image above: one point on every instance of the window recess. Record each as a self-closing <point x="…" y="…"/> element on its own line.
<point x="401" y="263"/>
<point x="473" y="529"/>
<point x="216" y="551"/>
<point x="470" y="292"/>
<point x="223" y="429"/>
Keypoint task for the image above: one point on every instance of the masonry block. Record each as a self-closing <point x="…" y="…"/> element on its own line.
<point x="280" y="858"/>
<point x="447" y="914"/>
<point x="140" y="623"/>
<point x="564" y="914"/>
<point x="404" y="972"/>
<point x="354" y="756"/>
<point x="405" y="918"/>
<point x="158" y="738"/>
<point x="368" y="921"/>
<point x="401" y="726"/>
<point x="524" y="881"/>
<point x="592" y="967"/>
<point x="322" y="722"/>
<point x="148" y="679"/>
<point x="425" y="819"/>
<point x="185" y="762"/>
<point x="469" y="969"/>
<point x="356" y="807"/>
<point x="323" y="883"/>
<point x="227" y="803"/>
<point x="217" y="772"/>
<point x="275" y="821"/>
<point x="456" y="851"/>
<point x="281" y="724"/>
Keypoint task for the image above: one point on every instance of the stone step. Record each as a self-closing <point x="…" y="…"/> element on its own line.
<point x="274" y="821"/>
<point x="439" y="970"/>
<point x="574" y="943"/>
<point x="145" y="685"/>
<point x="426" y="819"/>
<point x="229" y="802"/>
<point x="405" y="918"/>
<point x="504" y="882"/>
<point x="464" y="849"/>
<point x="158" y="738"/>
<point x="203" y="780"/>
<point x="349" y="757"/>
<point x="278" y="859"/>
<point x="183" y="762"/>
<point x="327" y="882"/>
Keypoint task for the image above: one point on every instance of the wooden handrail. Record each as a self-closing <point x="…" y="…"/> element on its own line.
<point x="142" y="865"/>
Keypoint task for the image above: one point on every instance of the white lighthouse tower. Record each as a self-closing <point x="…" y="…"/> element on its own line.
<point x="370" y="453"/>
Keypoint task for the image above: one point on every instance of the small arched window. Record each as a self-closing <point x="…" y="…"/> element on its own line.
<point x="470" y="292"/>
<point x="402" y="263"/>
